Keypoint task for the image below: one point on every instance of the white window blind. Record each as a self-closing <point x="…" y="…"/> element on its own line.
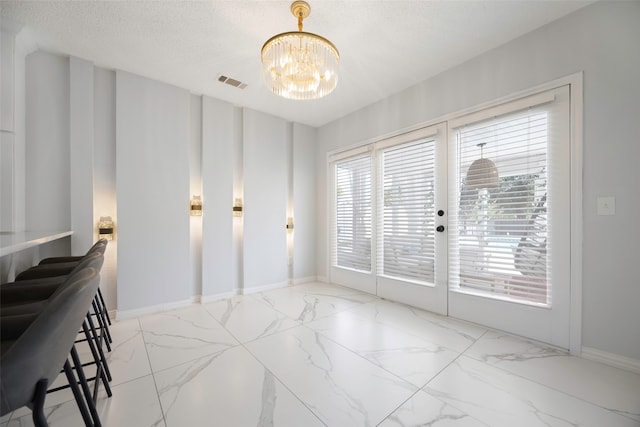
<point x="406" y="243"/>
<point x="353" y="213"/>
<point x="499" y="233"/>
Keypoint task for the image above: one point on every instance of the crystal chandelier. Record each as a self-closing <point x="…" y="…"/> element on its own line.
<point x="300" y="65"/>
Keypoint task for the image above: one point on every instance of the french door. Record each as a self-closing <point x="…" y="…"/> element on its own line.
<point x="469" y="218"/>
<point x="389" y="200"/>
<point x="509" y="240"/>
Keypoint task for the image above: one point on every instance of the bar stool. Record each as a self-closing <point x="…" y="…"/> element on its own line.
<point x="29" y="296"/>
<point x="62" y="266"/>
<point x="36" y="346"/>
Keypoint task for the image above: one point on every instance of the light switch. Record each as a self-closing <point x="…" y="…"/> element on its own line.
<point x="607" y="205"/>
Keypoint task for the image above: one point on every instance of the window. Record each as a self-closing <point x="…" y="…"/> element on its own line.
<point x="499" y="231"/>
<point x="407" y="199"/>
<point x="353" y="213"/>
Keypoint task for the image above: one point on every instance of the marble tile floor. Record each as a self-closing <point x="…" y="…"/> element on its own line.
<point x="324" y="355"/>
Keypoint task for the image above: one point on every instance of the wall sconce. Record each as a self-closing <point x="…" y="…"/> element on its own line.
<point x="195" y="206"/>
<point x="105" y="228"/>
<point x="237" y="207"/>
<point x="289" y="224"/>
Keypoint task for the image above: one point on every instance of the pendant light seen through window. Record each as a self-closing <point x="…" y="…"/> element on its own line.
<point x="482" y="173"/>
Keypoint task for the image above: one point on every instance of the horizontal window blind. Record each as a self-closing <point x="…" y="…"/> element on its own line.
<point x="406" y="244"/>
<point x="353" y="213"/>
<point x="498" y="228"/>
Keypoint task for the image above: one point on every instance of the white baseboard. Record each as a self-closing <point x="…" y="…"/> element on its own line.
<point x="205" y="299"/>
<point x="264" y="288"/>
<point x="152" y="309"/>
<point x="302" y="280"/>
<point x="197" y="299"/>
<point x="611" y="359"/>
<point x="323" y="279"/>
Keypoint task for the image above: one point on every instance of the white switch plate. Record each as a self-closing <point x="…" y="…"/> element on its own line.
<point x="607" y="205"/>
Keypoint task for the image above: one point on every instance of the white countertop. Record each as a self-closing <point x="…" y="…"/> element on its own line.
<point x="14" y="242"/>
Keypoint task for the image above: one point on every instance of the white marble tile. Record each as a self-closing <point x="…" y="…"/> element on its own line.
<point x="131" y="368"/>
<point x="229" y="388"/>
<point x="179" y="336"/>
<point x="247" y="318"/>
<point x="128" y="358"/>
<point x="605" y="386"/>
<point x="133" y="404"/>
<point x="329" y="290"/>
<point x="410" y="357"/>
<point x="317" y="354"/>
<point x="53" y="399"/>
<point x="5" y="419"/>
<point x="499" y="398"/>
<point x="425" y="410"/>
<point x="309" y="302"/>
<point x="451" y="333"/>
<point x="340" y="387"/>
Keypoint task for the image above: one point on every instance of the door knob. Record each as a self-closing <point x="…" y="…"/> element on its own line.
<point x="440" y="212"/>
<point x="440" y="228"/>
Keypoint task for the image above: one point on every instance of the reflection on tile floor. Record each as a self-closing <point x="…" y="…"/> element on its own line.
<point x="318" y="354"/>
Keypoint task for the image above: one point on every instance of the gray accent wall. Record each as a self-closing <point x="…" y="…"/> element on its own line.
<point x="265" y="200"/>
<point x="219" y="228"/>
<point x="152" y="183"/>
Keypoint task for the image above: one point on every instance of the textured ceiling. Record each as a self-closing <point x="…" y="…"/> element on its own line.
<point x="385" y="46"/>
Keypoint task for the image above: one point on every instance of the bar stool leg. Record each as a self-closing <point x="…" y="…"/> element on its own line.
<point x="104" y="329"/>
<point x="104" y="306"/>
<point x="100" y="311"/>
<point x="103" y="368"/>
<point x="98" y="340"/>
<point x="85" y="387"/>
<point x="73" y="383"/>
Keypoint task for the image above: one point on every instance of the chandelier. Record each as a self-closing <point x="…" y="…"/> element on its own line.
<point x="300" y="65"/>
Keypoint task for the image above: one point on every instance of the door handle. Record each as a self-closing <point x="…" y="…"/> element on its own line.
<point x="440" y="228"/>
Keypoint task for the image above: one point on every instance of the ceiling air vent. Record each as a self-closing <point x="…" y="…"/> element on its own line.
<point x="231" y="82"/>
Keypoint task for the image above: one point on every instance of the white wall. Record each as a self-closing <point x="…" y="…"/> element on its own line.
<point x="601" y="41"/>
<point x="17" y="43"/>
<point x="219" y="272"/>
<point x="108" y="143"/>
<point x="7" y="127"/>
<point x="304" y="206"/>
<point x="47" y="143"/>
<point x="24" y="45"/>
<point x="195" y="189"/>
<point x="47" y="153"/>
<point x="265" y="200"/>
<point x="104" y="175"/>
<point x="152" y="179"/>
<point x="81" y="131"/>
